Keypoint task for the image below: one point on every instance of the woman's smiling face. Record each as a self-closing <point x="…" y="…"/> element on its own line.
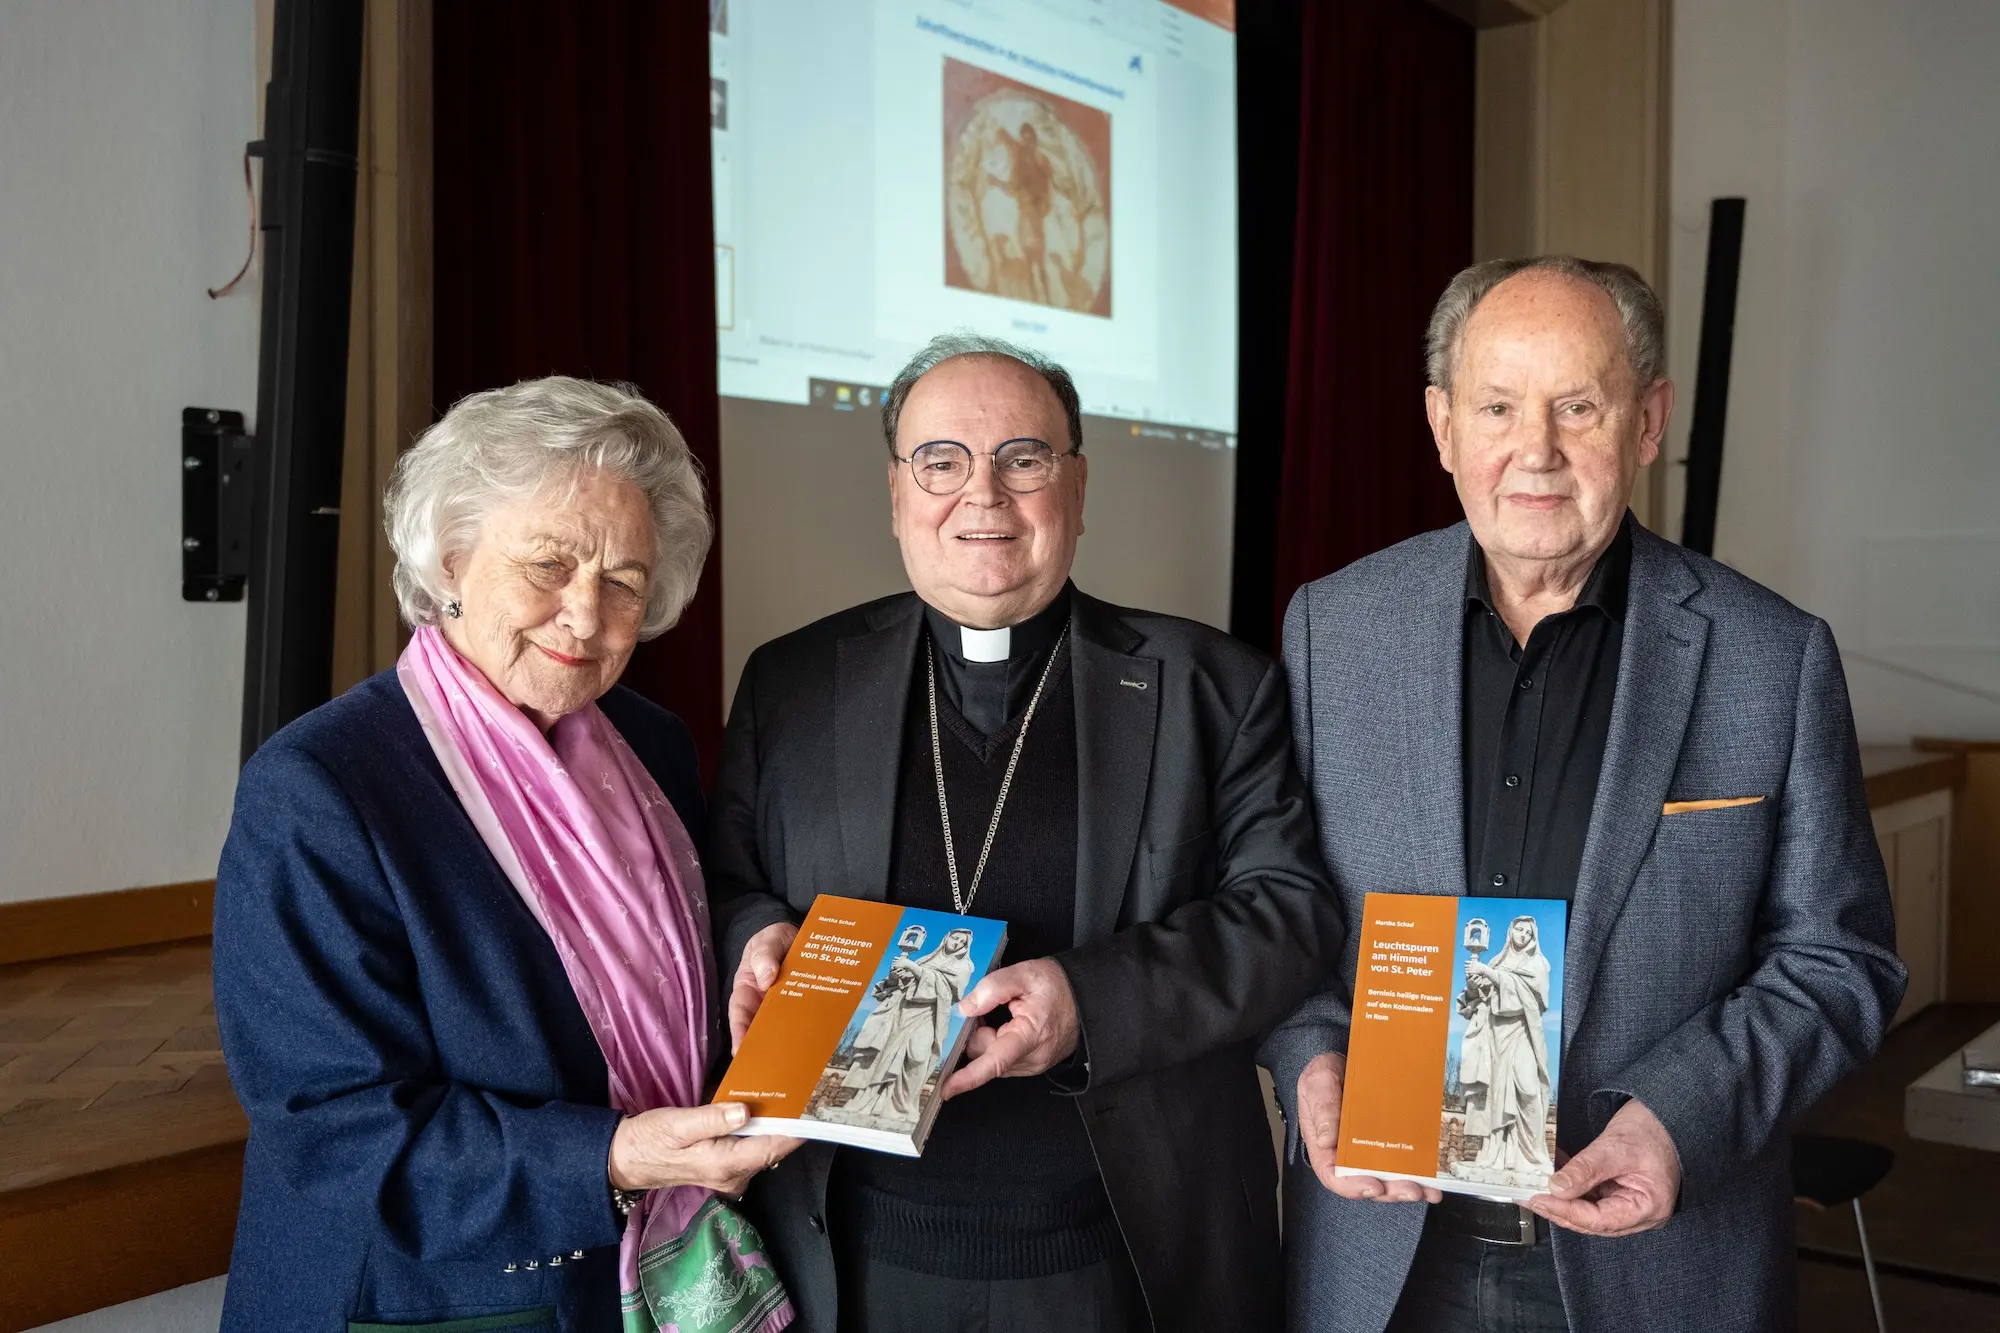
<point x="553" y="592"/>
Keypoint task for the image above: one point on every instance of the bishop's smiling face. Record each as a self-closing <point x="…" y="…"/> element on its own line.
<point x="984" y="555"/>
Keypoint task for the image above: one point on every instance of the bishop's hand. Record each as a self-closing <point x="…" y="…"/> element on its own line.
<point x="1039" y="1034"/>
<point x="763" y="959"/>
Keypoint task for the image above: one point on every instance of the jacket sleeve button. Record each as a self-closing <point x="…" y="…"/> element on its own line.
<point x="817" y="1223"/>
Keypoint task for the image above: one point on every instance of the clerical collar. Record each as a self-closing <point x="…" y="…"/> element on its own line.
<point x="1027" y="640"/>
<point x="984" y="645"/>
<point x="988" y="675"/>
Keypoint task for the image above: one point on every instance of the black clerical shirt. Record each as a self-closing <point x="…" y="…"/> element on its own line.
<point x="1008" y="1186"/>
<point x="1535" y="722"/>
<point x="990" y="695"/>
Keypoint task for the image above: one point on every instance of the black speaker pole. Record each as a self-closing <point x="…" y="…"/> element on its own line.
<point x="1711" y="375"/>
<point x="312" y="113"/>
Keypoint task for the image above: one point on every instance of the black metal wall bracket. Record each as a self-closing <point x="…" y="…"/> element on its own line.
<point x="215" y="505"/>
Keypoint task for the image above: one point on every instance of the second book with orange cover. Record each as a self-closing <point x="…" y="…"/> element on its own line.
<point x="1455" y="1052"/>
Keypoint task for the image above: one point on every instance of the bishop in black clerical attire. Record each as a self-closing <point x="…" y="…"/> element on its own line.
<point x="1118" y="786"/>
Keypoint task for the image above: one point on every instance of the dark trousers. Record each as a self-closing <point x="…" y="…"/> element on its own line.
<point x="1459" y="1284"/>
<point x="878" y="1298"/>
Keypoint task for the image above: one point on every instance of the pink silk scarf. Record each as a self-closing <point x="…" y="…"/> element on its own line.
<point x="596" y="851"/>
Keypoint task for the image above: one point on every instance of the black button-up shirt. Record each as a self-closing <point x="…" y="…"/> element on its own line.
<point x="1535" y="722"/>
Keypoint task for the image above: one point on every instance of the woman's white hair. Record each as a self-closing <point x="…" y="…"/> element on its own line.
<point x="514" y="443"/>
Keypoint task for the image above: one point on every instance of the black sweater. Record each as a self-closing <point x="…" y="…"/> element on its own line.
<point x="1008" y="1186"/>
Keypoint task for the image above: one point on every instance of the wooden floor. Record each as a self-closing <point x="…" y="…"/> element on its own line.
<point x="1934" y="1221"/>
<point x="108" y="1059"/>
<point x="121" y="1144"/>
<point x="114" y="1101"/>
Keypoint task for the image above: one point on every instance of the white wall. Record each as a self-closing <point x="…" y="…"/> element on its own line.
<point x="122" y="124"/>
<point x="1861" y="469"/>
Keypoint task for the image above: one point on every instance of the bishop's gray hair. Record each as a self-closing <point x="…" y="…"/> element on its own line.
<point x="1638" y="310"/>
<point x="518" y="442"/>
<point x="947" y="346"/>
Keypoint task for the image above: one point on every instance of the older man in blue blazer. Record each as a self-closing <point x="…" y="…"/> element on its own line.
<point x="1548" y="701"/>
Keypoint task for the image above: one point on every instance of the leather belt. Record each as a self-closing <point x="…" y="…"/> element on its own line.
<point x="1493" y="1221"/>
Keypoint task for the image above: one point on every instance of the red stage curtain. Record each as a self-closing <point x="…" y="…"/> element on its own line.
<point x="1384" y="220"/>
<point x="575" y="236"/>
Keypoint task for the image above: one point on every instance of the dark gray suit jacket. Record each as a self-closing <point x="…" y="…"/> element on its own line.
<point x="1203" y="916"/>
<point x="1725" y="966"/>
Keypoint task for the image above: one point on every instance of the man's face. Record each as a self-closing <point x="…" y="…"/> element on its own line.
<point x="984" y="555"/>
<point x="1544" y="430"/>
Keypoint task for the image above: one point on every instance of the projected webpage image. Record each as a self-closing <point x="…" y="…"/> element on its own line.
<point x="1027" y="204"/>
<point x="1057" y="174"/>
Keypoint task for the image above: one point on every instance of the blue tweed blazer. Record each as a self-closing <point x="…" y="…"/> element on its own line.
<point x="428" y="1108"/>
<point x="1726" y="967"/>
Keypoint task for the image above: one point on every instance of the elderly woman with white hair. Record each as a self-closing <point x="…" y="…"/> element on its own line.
<point x="462" y="960"/>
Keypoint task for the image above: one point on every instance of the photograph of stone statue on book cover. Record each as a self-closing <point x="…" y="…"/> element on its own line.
<point x="1504" y="1044"/>
<point x="886" y="1068"/>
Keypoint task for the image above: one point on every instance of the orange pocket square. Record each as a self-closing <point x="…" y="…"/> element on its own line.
<point x="1689" y="807"/>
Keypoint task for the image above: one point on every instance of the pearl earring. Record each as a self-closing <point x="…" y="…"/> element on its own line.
<point x="453" y="609"/>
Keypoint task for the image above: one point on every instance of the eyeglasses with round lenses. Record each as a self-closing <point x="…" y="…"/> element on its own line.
<point x="942" y="467"/>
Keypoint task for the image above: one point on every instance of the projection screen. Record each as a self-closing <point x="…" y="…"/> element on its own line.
<point x="1061" y="173"/>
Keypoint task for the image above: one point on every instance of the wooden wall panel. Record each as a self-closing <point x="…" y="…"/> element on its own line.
<point x="1973" y="975"/>
<point x="1913" y="774"/>
<point x="1572" y="148"/>
<point x="94" y="922"/>
<point x="1604" y="122"/>
<point x="1507" y="143"/>
<point x="389" y="331"/>
<point x="1918" y="862"/>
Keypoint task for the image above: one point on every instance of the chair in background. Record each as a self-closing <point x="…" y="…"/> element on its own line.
<point x="1828" y="1172"/>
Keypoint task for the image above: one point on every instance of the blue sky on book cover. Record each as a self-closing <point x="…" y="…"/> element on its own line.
<point x="1551" y="916"/>
<point x="986" y="936"/>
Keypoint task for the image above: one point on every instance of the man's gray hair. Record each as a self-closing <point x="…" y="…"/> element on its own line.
<point x="1638" y="310"/>
<point x="947" y="346"/>
<point x="521" y="441"/>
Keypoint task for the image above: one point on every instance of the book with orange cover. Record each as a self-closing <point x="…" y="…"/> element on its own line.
<point x="861" y="1028"/>
<point x="1455" y="1050"/>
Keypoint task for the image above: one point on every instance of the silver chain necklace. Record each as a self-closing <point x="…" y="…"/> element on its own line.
<point x="964" y="902"/>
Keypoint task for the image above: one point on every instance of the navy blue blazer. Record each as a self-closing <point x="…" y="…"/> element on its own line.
<point x="428" y="1108"/>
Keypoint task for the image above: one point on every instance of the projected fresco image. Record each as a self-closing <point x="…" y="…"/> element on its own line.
<point x="1027" y="199"/>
